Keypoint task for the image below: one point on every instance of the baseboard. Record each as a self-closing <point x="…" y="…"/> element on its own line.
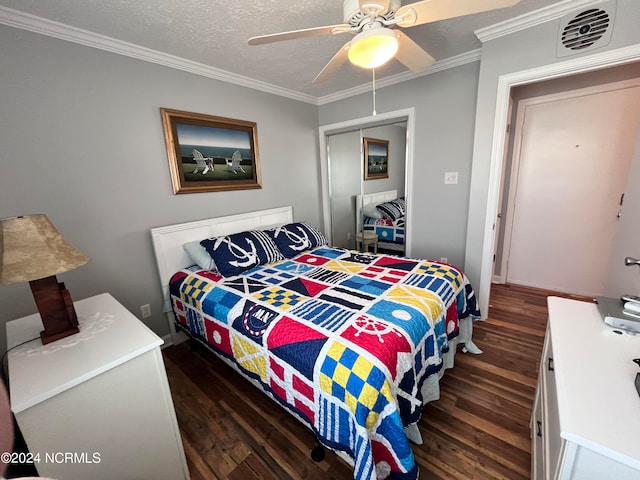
<point x="168" y="341"/>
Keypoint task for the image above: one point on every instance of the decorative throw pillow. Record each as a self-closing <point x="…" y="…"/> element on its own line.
<point x="233" y="254"/>
<point x="199" y="255"/>
<point x="294" y="238"/>
<point x="371" y="211"/>
<point x="393" y="210"/>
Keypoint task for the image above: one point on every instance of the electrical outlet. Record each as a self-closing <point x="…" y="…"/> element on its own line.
<point x="348" y="235"/>
<point x="450" y="178"/>
<point x="145" y="311"/>
<point x="444" y="259"/>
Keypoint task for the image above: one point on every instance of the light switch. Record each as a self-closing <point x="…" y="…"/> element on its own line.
<point x="450" y="178"/>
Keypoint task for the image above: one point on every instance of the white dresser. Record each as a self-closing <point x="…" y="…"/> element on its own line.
<point x="96" y="404"/>
<point x="586" y="417"/>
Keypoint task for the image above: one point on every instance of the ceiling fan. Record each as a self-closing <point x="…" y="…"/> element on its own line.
<point x="375" y="40"/>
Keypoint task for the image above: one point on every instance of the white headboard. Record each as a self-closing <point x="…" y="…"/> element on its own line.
<point x="369" y="199"/>
<point x="168" y="241"/>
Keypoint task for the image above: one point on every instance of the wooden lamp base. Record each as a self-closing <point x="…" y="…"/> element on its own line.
<point x="56" y="309"/>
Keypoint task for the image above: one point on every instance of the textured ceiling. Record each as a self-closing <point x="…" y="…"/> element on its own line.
<point x="215" y="33"/>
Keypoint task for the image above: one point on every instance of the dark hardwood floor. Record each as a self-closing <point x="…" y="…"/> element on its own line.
<point x="479" y="429"/>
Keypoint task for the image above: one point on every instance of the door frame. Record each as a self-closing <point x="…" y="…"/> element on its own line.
<point x="521" y="111"/>
<point x="500" y="216"/>
<point x="505" y="82"/>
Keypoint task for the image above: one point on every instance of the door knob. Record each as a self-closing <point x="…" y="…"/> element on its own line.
<point x="631" y="261"/>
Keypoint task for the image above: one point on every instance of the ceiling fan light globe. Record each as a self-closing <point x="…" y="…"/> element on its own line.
<point x="373" y="48"/>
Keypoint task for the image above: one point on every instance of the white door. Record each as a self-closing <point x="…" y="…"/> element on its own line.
<point x="574" y="160"/>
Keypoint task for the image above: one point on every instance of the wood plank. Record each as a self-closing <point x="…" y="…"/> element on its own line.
<point x="479" y="429"/>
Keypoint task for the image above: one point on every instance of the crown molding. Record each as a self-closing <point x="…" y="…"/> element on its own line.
<point x="532" y="19"/>
<point x="35" y="24"/>
<point x="440" y="65"/>
<point x="32" y="23"/>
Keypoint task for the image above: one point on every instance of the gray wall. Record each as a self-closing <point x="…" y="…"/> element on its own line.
<point x="82" y="142"/>
<point x="444" y="117"/>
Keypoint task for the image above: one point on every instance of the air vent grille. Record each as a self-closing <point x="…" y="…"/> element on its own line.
<point x="585" y="29"/>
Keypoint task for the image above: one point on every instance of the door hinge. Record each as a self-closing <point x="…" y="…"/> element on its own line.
<point x="621" y="199"/>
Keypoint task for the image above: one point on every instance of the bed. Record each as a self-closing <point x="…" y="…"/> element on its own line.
<point x="352" y="344"/>
<point x="388" y="226"/>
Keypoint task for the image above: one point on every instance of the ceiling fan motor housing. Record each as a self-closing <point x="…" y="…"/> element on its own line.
<point x="354" y="16"/>
<point x="586" y="29"/>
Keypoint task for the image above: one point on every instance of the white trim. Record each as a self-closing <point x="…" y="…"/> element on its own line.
<point x="505" y="83"/>
<point x="32" y="23"/>
<point x="43" y="26"/>
<point x="408" y="115"/>
<point x="532" y="19"/>
<point x="35" y="24"/>
<point x="440" y="65"/>
<point x="507" y="215"/>
<point x="168" y="341"/>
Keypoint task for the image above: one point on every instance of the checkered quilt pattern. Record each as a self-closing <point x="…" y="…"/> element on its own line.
<point x="342" y="339"/>
<point x="387" y="230"/>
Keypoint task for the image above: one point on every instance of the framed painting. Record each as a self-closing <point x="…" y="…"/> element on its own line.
<point x="210" y="154"/>
<point x="376" y="158"/>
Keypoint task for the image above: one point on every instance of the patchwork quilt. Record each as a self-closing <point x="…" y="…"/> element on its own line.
<point x="387" y="230"/>
<point x="342" y="339"/>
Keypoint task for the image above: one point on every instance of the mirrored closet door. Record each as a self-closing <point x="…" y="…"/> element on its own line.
<point x="353" y="182"/>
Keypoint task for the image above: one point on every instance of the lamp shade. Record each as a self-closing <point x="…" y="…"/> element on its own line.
<point x="373" y="48"/>
<point x="31" y="248"/>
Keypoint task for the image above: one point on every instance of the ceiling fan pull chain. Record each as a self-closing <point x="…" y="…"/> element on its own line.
<point x="373" y="70"/>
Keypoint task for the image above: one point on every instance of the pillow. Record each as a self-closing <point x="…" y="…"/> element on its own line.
<point x="233" y="254"/>
<point x="199" y="255"/>
<point x="294" y="238"/>
<point x="393" y="210"/>
<point x="371" y="211"/>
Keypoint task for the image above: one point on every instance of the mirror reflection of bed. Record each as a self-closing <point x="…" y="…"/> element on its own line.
<point x="382" y="214"/>
<point x="347" y="183"/>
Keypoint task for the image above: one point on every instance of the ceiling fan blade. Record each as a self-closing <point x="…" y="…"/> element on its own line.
<point x="428" y="11"/>
<point x="377" y="7"/>
<point x="411" y="55"/>
<point x="305" y="32"/>
<point x="334" y="64"/>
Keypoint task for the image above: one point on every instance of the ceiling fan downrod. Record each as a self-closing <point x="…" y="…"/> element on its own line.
<point x="373" y="72"/>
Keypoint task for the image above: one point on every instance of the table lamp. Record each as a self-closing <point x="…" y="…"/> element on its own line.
<point x="32" y="250"/>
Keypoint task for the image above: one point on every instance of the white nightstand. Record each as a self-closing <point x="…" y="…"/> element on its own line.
<point x="97" y="404"/>
<point x="364" y="239"/>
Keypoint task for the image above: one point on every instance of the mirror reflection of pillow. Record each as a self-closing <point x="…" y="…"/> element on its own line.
<point x="371" y="211"/>
<point x="393" y="210"/>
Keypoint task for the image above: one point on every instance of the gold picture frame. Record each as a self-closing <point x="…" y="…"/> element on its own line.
<point x="210" y="154"/>
<point x="376" y="158"/>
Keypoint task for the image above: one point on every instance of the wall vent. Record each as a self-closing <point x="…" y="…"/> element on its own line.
<point x="586" y="30"/>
